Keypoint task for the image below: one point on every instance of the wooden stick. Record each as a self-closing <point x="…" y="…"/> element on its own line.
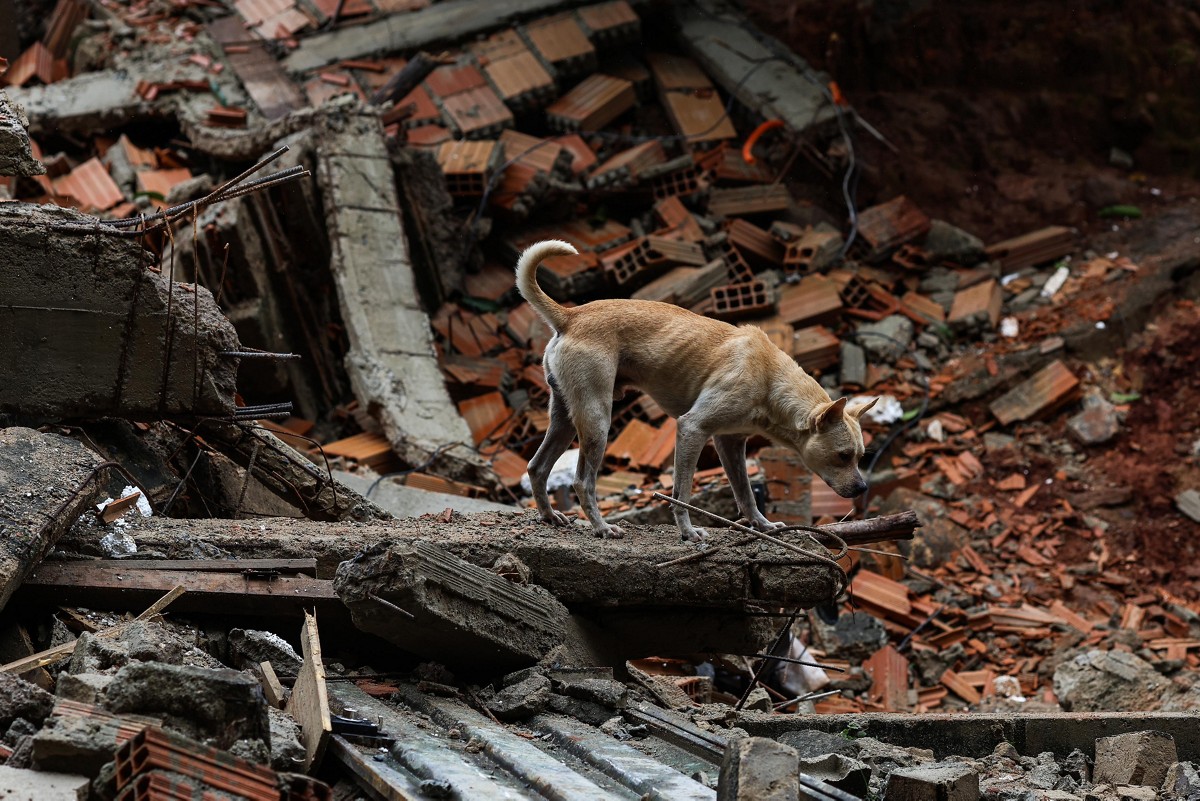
<point x="51" y="655"/>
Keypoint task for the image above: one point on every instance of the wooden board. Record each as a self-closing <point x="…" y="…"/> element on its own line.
<point x="131" y="587"/>
<point x="309" y="703"/>
<point x="307" y="566"/>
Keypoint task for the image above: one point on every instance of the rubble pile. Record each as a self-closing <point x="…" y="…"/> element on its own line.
<point x="239" y="400"/>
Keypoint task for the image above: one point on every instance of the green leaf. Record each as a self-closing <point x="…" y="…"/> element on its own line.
<point x="1121" y="210"/>
<point x="910" y="414"/>
<point x="1125" y="397"/>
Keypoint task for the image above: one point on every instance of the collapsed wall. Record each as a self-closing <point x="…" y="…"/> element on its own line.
<point x="89" y="327"/>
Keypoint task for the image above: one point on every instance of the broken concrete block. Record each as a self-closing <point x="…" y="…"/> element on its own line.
<point x="853" y="365"/>
<point x="217" y="706"/>
<point x="945" y="242"/>
<point x="109" y="336"/>
<point x="1182" y="781"/>
<point x="82" y="738"/>
<point x="1108" y="681"/>
<point x="758" y="769"/>
<point x="841" y="771"/>
<point x="16" y="156"/>
<point x="947" y="781"/>
<point x="251" y="648"/>
<point x="453" y="611"/>
<point x="44" y="478"/>
<point x="87" y="688"/>
<point x="1142" y="757"/>
<point x="286" y="749"/>
<point x="22" y="699"/>
<point x="18" y="784"/>
<point x="521" y="700"/>
<point x="886" y="340"/>
<point x="1097" y="423"/>
<point x="1188" y="502"/>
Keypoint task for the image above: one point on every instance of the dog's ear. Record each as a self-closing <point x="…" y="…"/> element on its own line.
<point x="859" y="411"/>
<point x="828" y="415"/>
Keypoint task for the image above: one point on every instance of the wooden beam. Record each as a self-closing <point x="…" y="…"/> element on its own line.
<point x="309" y="703"/>
<point x="306" y="566"/>
<point x="272" y="688"/>
<point x="130" y="585"/>
<point x="51" y="655"/>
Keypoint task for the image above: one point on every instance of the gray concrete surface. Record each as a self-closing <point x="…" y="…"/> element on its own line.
<point x="405" y="501"/>
<point x="18" y="784"/>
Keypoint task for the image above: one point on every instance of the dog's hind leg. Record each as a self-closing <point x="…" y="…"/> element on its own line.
<point x="558" y="439"/>
<point x="690" y="437"/>
<point x="731" y="448"/>
<point x="592" y="422"/>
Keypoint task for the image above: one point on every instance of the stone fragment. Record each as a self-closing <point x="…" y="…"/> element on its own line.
<point x="1097" y="423"/>
<point x="945" y="781"/>
<point x="16" y="156"/>
<point x="1182" y="781"/>
<point x="521" y="700"/>
<point x="1188" y="502"/>
<point x="287" y="752"/>
<point x="1108" y="681"/>
<point x="946" y="242"/>
<point x="1141" y="758"/>
<point x="843" y="772"/>
<point x="217" y="706"/>
<point x="813" y="744"/>
<point x="251" y="647"/>
<point x="854" y="636"/>
<point x="22" y="699"/>
<point x="852" y="364"/>
<point x="886" y="340"/>
<point x="87" y="688"/>
<point x="758" y="769"/>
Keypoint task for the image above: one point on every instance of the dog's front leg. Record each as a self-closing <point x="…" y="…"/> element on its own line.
<point x="732" y="450"/>
<point x="690" y="437"/>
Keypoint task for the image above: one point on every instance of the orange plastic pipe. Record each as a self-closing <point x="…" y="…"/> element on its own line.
<point x="747" y="155"/>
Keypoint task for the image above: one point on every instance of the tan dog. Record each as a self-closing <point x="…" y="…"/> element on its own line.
<point x="718" y="380"/>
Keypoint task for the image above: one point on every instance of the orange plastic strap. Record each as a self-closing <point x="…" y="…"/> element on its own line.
<point x="747" y="155"/>
<point x="835" y="92"/>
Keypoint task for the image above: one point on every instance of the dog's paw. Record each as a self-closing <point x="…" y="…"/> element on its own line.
<point x="694" y="535"/>
<point x="556" y="518"/>
<point x="610" y="532"/>
<point x="766" y="526"/>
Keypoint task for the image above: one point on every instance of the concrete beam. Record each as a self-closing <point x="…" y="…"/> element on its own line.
<point x="391" y="363"/>
<point x="452" y="20"/>
<point x="733" y="52"/>
<point x="88" y="330"/>
<point x="16" y="157"/>
<point x="44" y="488"/>
<point x="617" y="577"/>
<point x="977" y="735"/>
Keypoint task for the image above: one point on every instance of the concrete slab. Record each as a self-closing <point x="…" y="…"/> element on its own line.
<point x="19" y="784"/>
<point x="405" y="501"/>
<point x="452" y="20"/>
<point x="391" y="363"/>
<point x="44" y="488"/>
<point x="732" y="51"/>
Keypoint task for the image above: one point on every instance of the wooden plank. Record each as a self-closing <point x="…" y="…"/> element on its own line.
<point x="50" y="655"/>
<point x="82" y="584"/>
<point x="272" y="688"/>
<point x="307" y="565"/>
<point x="309" y="703"/>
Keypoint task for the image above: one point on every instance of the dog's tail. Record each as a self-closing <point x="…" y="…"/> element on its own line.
<point x="556" y="316"/>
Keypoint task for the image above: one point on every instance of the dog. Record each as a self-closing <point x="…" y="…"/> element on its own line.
<point x="716" y="379"/>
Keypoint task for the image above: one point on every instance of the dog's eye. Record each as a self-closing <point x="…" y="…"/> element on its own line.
<point x="846" y="456"/>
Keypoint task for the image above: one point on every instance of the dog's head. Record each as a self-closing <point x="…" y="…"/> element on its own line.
<point x="835" y="445"/>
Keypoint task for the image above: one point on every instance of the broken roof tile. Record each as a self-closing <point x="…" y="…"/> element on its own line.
<point x="158" y="183"/>
<point x="90" y="185"/>
<point x="36" y="62"/>
<point x="485" y="415"/>
<point x="745" y="200"/>
<point x="673" y="72"/>
<point x="1031" y="249"/>
<point x="520" y="79"/>
<point x="450" y="79"/>
<point x="888" y="225"/>
<point x="561" y="42"/>
<point x="611" y="23"/>
<point x="813" y="300"/>
<point x="698" y="116"/>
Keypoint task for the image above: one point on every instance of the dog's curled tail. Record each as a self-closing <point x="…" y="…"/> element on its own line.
<point x="554" y="314"/>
